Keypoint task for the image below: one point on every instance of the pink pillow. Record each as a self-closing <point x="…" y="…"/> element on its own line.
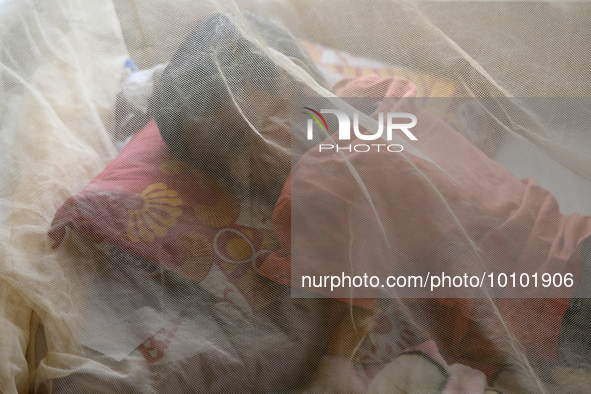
<point x="151" y="204"/>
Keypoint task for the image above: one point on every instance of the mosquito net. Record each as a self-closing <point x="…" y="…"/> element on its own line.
<point x="295" y="196"/>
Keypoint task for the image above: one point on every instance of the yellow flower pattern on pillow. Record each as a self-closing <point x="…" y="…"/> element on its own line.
<point x="199" y="255"/>
<point x="224" y="212"/>
<point x="158" y="213"/>
<point x="226" y="208"/>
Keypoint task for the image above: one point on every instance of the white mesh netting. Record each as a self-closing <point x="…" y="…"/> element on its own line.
<point x="194" y="197"/>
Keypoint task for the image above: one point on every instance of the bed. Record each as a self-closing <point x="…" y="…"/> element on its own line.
<point x="116" y="276"/>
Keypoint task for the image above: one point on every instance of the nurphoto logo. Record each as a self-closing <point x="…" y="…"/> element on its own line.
<point x="392" y="123"/>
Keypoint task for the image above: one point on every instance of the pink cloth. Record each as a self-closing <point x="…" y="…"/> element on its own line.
<point x="514" y="223"/>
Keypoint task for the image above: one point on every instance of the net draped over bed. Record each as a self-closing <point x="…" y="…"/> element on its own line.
<point x="126" y="267"/>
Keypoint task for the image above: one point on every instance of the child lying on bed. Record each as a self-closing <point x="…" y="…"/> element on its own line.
<point x="224" y="105"/>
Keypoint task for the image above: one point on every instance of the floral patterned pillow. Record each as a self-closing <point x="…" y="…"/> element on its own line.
<point x="151" y="204"/>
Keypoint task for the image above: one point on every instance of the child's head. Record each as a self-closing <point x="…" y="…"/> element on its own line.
<point x="225" y="105"/>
